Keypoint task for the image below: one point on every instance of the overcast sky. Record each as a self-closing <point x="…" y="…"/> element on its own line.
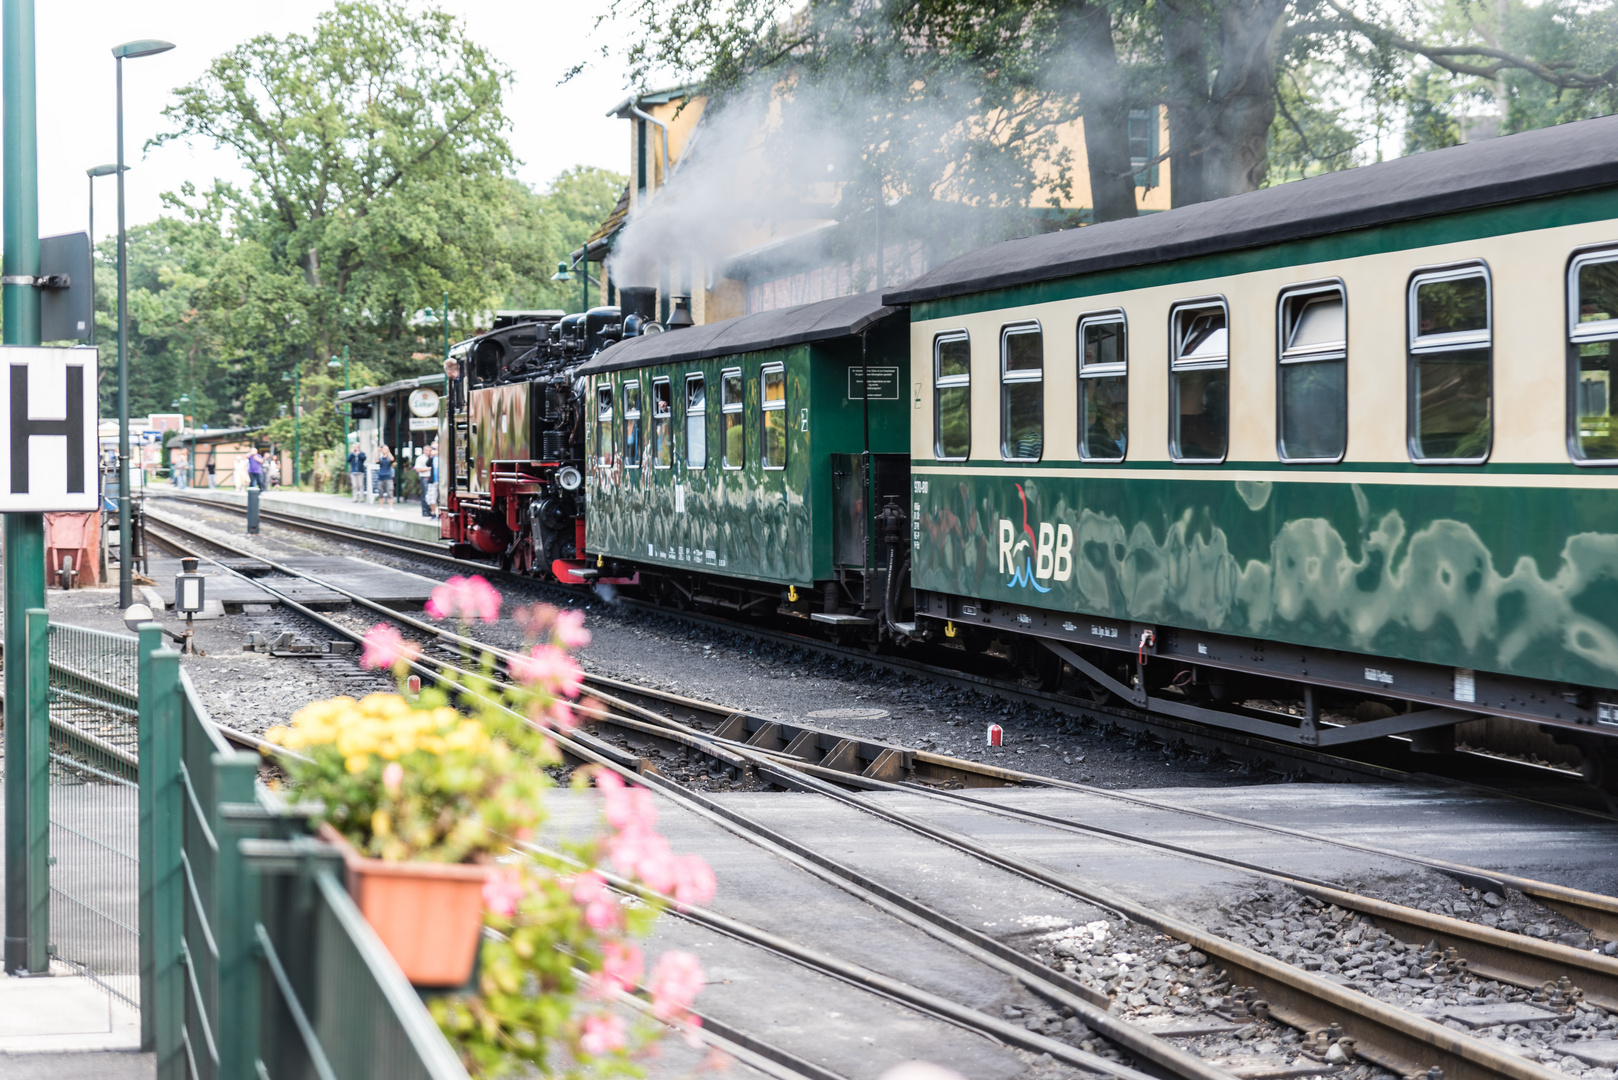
<point x="553" y="127"/>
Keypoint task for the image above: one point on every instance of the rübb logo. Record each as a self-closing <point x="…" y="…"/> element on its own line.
<point x="48" y="453"/>
<point x="1032" y="557"/>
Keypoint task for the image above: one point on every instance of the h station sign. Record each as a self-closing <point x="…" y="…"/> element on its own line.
<point x="48" y="444"/>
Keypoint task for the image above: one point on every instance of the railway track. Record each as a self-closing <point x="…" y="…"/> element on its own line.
<point x="839" y="768"/>
<point x="1387" y="760"/>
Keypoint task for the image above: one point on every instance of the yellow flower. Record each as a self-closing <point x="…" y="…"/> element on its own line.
<point x="381" y="823"/>
<point x="357" y="763"/>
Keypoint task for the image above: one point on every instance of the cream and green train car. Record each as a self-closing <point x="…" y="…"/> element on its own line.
<point x="1354" y="433"/>
<point x="744" y="464"/>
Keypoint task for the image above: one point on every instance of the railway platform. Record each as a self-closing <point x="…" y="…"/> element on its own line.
<point x="402" y="519"/>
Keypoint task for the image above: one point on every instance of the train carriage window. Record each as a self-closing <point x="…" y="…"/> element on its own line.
<point x="1593" y="356"/>
<point x="696" y="422"/>
<point x="733" y="426"/>
<point x="773" y="421"/>
<point x="662" y="424"/>
<point x="1451" y="357"/>
<point x="1199" y="383"/>
<point x="952" y="396"/>
<point x="632" y="425"/>
<point x="1022" y="392"/>
<point x="1312" y="386"/>
<point x="1103" y="387"/>
<point x="604" y="423"/>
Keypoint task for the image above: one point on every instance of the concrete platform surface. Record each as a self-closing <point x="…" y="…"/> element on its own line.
<point x="384" y="584"/>
<point x="63" y="1013"/>
<point x="401" y="519"/>
<point x="104" y="1065"/>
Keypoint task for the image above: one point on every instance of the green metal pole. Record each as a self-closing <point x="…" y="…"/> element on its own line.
<point x="346" y="408"/>
<point x="126" y="572"/>
<point x="162" y="986"/>
<point x="297" y="428"/>
<point x="445" y="312"/>
<point x="38" y="722"/>
<point x="24" y="533"/>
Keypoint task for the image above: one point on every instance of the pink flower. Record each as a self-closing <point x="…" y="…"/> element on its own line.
<point x="502" y="891"/>
<point x="393" y="778"/>
<point x="621" y="968"/>
<point x="536" y="620"/>
<point x="590" y="891"/>
<point x="603" y="1033"/>
<point x="674" y="985"/>
<point x="550" y="670"/>
<point x="385" y="647"/>
<point x="694" y="881"/>
<point x="626" y="807"/>
<point x="570" y="632"/>
<point x="643" y="854"/>
<point x="467" y="599"/>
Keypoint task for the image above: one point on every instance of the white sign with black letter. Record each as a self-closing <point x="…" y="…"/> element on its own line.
<point x="48" y="452"/>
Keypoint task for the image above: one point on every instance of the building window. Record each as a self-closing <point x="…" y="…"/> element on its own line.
<point x="662" y="424"/>
<point x="1022" y="392"/>
<point x="632" y="425"/>
<point x="1199" y="381"/>
<point x="773" y="415"/>
<point x="604" y="423"/>
<point x="1312" y="338"/>
<point x="1592" y="316"/>
<point x="696" y="422"/>
<point x="732" y="419"/>
<point x="1103" y="387"/>
<point x="952" y="396"/>
<point x="1144" y="146"/>
<point x="1451" y="361"/>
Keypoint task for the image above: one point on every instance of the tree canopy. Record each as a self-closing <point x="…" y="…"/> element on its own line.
<point x="380" y="180"/>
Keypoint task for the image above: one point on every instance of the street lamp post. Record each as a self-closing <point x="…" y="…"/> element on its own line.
<point x="92" y="173"/>
<point x="343" y="363"/>
<point x="297" y="416"/>
<point x="126" y="582"/>
<point x="562" y="274"/>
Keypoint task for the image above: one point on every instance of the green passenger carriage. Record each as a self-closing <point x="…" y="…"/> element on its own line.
<point x="1353" y="433"/>
<point x="739" y="464"/>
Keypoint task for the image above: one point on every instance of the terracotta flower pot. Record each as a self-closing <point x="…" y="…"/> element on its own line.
<point x="429" y="915"/>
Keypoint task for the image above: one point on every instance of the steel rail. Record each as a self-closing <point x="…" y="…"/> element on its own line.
<point x="1522" y="961"/>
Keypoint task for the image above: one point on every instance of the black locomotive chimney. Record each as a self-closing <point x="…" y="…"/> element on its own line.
<point x="680" y="317"/>
<point x="640" y="301"/>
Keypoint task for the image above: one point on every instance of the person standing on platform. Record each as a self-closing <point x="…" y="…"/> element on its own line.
<point x="255" y="469"/>
<point x="356" y="474"/>
<point x="384" y="476"/>
<point x="421" y="470"/>
<point x="431" y="508"/>
<point x="211" y="482"/>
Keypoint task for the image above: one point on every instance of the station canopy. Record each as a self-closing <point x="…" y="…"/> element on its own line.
<point x="746" y="333"/>
<point x="1510" y="169"/>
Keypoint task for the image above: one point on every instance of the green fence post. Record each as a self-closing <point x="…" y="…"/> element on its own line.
<point x="162" y="991"/>
<point x="236" y="890"/>
<point x="39" y="790"/>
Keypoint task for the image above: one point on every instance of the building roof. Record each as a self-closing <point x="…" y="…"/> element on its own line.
<point x="746" y="333"/>
<point x="1510" y="169"/>
<point x="366" y="393"/>
<point x="212" y="435"/>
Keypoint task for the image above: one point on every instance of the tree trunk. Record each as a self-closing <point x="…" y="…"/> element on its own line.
<point x="1243" y="97"/>
<point x="1185" y="34"/>
<point x="1104" y="101"/>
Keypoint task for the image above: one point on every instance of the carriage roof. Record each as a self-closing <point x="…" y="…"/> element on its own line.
<point x="746" y="333"/>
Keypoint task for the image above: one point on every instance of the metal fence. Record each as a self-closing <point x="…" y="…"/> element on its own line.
<point x="94" y="818"/>
<point x="255" y="961"/>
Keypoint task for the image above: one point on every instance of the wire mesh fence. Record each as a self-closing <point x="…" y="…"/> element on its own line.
<point x="94" y="807"/>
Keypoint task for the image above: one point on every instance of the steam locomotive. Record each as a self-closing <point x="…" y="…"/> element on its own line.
<point x="512" y="434"/>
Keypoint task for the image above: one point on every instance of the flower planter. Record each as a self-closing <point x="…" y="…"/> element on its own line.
<point x="429" y="915"/>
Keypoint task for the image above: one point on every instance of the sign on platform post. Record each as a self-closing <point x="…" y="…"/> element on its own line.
<point x="48" y="427"/>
